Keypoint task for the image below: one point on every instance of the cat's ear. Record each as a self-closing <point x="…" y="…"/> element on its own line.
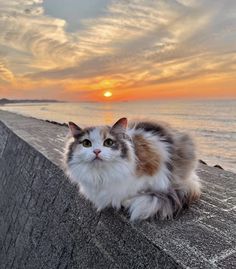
<point x="120" y="126"/>
<point x="74" y="129"/>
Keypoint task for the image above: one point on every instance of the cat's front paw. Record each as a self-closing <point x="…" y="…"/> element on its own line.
<point x="116" y="204"/>
<point x="103" y="201"/>
<point x="101" y="206"/>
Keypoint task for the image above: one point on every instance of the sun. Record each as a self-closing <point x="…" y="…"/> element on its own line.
<point x="107" y="94"/>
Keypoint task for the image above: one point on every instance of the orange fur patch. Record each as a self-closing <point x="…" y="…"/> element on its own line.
<point x="148" y="158"/>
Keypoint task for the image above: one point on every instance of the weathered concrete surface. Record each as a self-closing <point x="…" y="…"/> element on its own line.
<point x="44" y="223"/>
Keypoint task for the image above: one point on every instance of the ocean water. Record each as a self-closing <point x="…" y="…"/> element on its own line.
<point x="211" y="122"/>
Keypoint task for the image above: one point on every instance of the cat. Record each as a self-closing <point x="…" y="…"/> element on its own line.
<point x="144" y="166"/>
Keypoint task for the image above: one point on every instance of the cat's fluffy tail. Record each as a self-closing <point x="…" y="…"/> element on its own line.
<point x="150" y="204"/>
<point x="164" y="205"/>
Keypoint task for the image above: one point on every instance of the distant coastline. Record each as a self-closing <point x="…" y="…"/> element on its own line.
<point x="5" y="101"/>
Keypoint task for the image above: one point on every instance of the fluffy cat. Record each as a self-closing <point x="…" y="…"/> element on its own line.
<point x="145" y="166"/>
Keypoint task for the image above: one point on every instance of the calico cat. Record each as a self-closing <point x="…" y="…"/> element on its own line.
<point x="145" y="166"/>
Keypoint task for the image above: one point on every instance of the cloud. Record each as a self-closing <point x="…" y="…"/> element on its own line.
<point x="133" y="42"/>
<point x="26" y="31"/>
<point x="5" y="74"/>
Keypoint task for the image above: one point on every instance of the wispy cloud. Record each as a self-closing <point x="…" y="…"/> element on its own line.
<point x="134" y="43"/>
<point x="5" y="74"/>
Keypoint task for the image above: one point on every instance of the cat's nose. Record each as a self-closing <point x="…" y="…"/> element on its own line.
<point x="96" y="151"/>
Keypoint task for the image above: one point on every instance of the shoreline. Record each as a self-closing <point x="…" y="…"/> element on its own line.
<point x="5" y="101"/>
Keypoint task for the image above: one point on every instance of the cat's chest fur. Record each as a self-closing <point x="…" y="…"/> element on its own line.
<point x="109" y="184"/>
<point x="112" y="184"/>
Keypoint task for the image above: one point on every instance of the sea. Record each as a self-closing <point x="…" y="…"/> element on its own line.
<point x="211" y="122"/>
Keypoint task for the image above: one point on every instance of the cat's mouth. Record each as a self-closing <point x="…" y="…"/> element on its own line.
<point x="97" y="158"/>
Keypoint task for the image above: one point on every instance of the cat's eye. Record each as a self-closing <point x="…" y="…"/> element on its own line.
<point x="108" y="142"/>
<point x="86" y="143"/>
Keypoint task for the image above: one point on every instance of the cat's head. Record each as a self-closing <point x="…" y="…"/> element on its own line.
<point x="99" y="145"/>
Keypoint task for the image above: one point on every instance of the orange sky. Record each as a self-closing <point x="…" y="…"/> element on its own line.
<point x="136" y="49"/>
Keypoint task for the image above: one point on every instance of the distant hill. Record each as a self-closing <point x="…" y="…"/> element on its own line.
<point x="4" y="101"/>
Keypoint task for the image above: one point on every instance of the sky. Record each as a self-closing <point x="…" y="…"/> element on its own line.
<point x="137" y="49"/>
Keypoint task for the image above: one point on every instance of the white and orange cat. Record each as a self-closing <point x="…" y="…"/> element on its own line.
<point x="147" y="167"/>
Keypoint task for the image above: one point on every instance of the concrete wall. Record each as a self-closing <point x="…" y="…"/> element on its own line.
<point x="44" y="223"/>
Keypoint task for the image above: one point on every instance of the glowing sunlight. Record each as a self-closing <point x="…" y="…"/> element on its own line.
<point x="107" y="94"/>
